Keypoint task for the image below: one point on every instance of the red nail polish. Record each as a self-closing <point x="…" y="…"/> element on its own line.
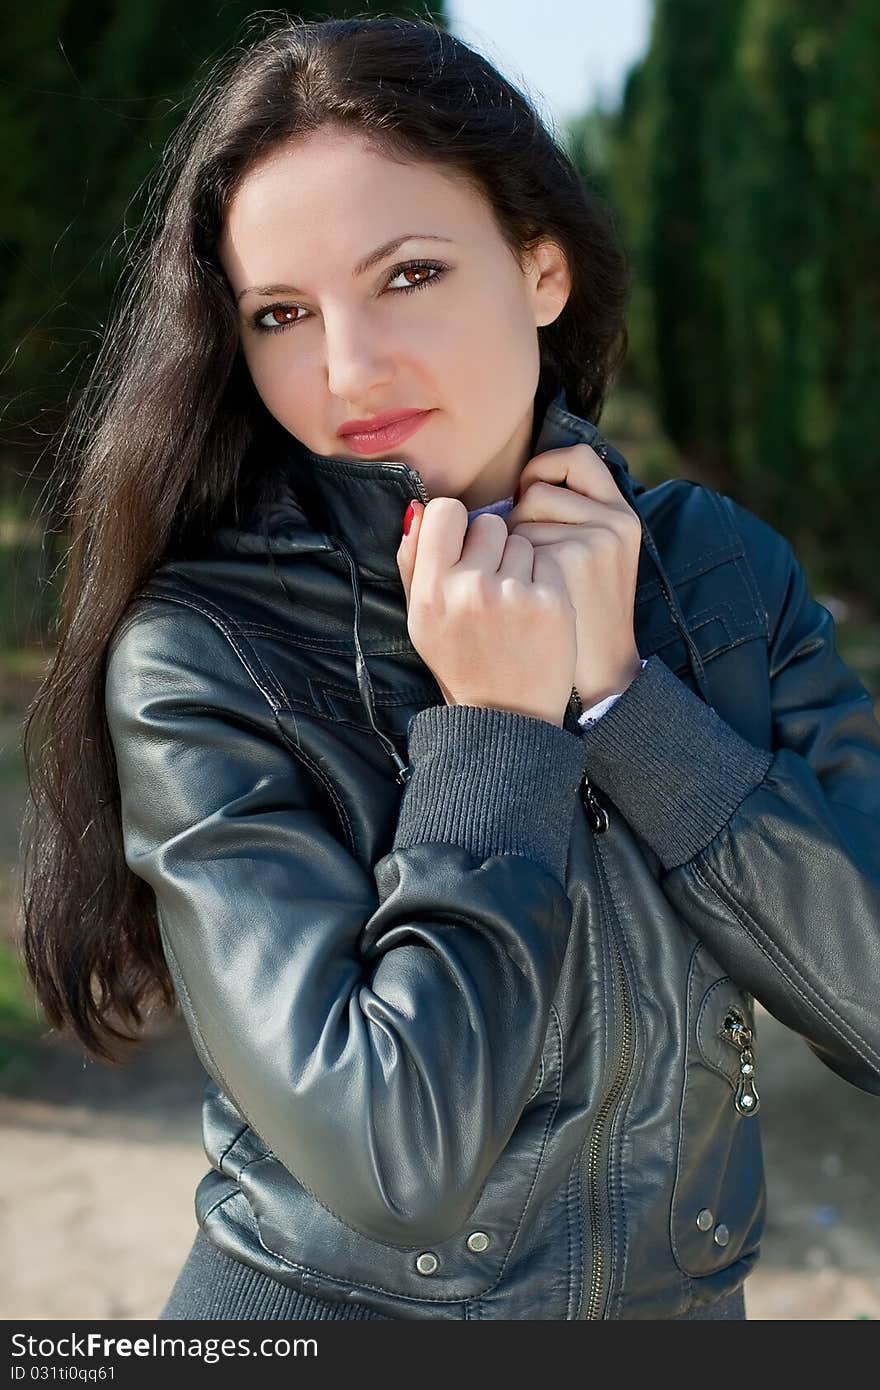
<point x="408" y="518"/>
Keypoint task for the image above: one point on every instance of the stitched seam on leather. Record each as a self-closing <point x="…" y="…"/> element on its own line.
<point x="605" y="891"/>
<point x="713" y="612"/>
<point x="229" y="1147"/>
<point x="733" y="1081"/>
<point x="543" y="1148"/>
<point x="415" y="1298"/>
<point x="726" y="513"/>
<point x="673" y="1241"/>
<point x="736" y="632"/>
<point x="586" y="1140"/>
<point x="394" y="1245"/>
<point x="362" y="473"/>
<point x="220" y="1202"/>
<point x="623" y="1109"/>
<point x="293" y="746"/>
<point x="337" y="646"/>
<point x="699" y="564"/>
<point x="399" y="695"/>
<point x="268" y="673"/>
<point x="220" y="623"/>
<point x="306" y="1269"/>
<point x="572" y="1305"/>
<point x="745" y="569"/>
<point x="709" y="560"/>
<point x="216" y="615"/>
<point x="846" y="1032"/>
<point x="349" y="1282"/>
<point x="538" y="1084"/>
<point x="300" y="753"/>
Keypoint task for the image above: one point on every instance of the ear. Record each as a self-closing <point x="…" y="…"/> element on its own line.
<point x="550" y="281"/>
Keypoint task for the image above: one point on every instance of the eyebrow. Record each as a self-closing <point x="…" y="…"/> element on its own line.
<point x="366" y="264"/>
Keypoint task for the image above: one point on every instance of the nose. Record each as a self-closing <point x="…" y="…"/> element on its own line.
<point x="358" y="364"/>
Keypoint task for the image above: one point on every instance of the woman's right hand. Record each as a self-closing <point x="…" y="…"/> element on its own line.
<point x="488" y="613"/>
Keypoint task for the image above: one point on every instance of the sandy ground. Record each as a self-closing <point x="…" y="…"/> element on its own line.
<point x="101" y="1166"/>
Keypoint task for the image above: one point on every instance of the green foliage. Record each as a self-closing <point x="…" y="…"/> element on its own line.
<point x="89" y="94"/>
<point x="745" y="162"/>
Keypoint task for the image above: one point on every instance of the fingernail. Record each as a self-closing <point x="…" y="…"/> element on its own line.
<point x="408" y="518"/>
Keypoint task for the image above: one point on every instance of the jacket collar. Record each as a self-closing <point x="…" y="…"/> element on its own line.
<point x="356" y="509"/>
<point x="361" y="504"/>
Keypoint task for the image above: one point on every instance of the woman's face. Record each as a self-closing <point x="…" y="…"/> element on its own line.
<point x="344" y="345"/>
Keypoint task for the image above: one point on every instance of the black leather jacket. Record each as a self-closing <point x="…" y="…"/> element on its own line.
<point x="458" y="1083"/>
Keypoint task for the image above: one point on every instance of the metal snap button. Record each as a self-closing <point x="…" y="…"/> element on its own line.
<point x="722" y="1235"/>
<point x="477" y="1240"/>
<point x="704" y="1219"/>
<point x="427" y="1263"/>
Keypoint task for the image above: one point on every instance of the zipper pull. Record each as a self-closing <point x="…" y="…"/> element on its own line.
<point x="737" y="1031"/>
<point x="596" y="814"/>
<point x="404" y="770"/>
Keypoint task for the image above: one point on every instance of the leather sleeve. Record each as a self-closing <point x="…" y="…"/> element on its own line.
<point x="380" y="1030"/>
<point x="771" y="856"/>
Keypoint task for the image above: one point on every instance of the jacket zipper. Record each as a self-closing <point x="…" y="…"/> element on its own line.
<point x="421" y="487"/>
<point x="607" y="1109"/>
<point x="736" y="1030"/>
<point x="597" y="815"/>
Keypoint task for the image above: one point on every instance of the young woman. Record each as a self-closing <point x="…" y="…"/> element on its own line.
<point x="462" y="791"/>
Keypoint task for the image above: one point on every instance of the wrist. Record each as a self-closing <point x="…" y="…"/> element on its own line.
<point x="591" y="692"/>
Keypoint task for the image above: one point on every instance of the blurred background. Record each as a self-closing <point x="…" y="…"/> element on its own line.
<point x="738" y="142"/>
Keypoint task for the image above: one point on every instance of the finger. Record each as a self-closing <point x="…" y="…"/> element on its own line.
<point x="576" y="466"/>
<point x="484" y="543"/>
<point x="552" y="532"/>
<point x="442" y="527"/>
<point x="406" y="551"/>
<point x="545" y="501"/>
<point x="545" y="570"/>
<point x="517" y="562"/>
<point x="547" y="512"/>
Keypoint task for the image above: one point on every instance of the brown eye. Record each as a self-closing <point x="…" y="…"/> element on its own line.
<point x="428" y="271"/>
<point x="285" y="315"/>
<point x="419" y="270"/>
<point x="282" y="315"/>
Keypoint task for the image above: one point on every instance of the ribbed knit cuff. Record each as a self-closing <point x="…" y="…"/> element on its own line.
<point x="493" y="781"/>
<point x="211" y="1285"/>
<point x="676" y="770"/>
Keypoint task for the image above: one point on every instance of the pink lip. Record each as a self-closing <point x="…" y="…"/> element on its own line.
<point x="373" y="441"/>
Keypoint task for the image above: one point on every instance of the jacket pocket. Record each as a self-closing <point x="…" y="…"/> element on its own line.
<point x="330" y="1259"/>
<point x="719" y="1197"/>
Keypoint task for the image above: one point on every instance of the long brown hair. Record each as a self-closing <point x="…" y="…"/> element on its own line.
<point x="155" y="442"/>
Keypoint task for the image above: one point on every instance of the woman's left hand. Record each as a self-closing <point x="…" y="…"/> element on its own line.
<point x="594" y="536"/>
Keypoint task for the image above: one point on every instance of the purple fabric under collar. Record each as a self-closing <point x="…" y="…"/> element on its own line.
<point x="500" y="508"/>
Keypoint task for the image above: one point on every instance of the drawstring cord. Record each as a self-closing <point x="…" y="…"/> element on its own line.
<point x="402" y="770"/>
<point x="603" y="449"/>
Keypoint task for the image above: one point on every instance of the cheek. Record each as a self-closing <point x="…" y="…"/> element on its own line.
<point x="502" y="332"/>
<point x="498" y="352"/>
<point x="282" y="386"/>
